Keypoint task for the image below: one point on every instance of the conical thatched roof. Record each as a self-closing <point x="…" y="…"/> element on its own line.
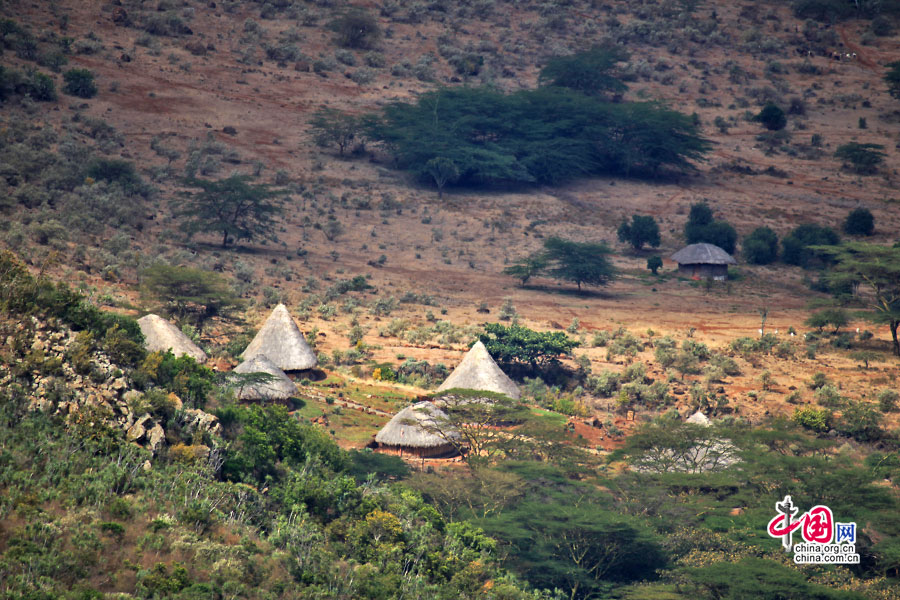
<point x="409" y="428"/>
<point x="161" y="335"/>
<point x="281" y="341"/>
<point x="703" y="254"/>
<point x="280" y="388"/>
<point x="698" y="418"/>
<point x="478" y="371"/>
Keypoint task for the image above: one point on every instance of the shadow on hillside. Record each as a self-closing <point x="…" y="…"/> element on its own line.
<point x="570" y="291"/>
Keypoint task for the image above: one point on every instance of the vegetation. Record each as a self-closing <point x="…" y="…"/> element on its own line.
<point x="760" y="247"/>
<point x="861" y="158"/>
<point x="518" y="344"/>
<point x="892" y="78"/>
<point x="797" y="246"/>
<point x="80" y="82"/>
<point x="772" y="117"/>
<point x="190" y="295"/>
<point x="331" y="127"/>
<point x="701" y="227"/>
<point x="578" y="262"/>
<point x="538" y="136"/>
<point x="654" y="263"/>
<point x="642" y="230"/>
<point x="588" y="72"/>
<point x="356" y="29"/>
<point x="859" y="222"/>
<point x="875" y="268"/>
<point x="235" y="207"/>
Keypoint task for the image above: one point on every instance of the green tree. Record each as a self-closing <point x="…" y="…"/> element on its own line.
<point x="356" y="29"/>
<point x="518" y="344"/>
<point x="862" y="158"/>
<point x="186" y="292"/>
<point x="80" y="82"/>
<point x="797" y="246"/>
<point x="587" y="72"/>
<point x="892" y="78"/>
<point x="528" y="267"/>
<point x="579" y="262"/>
<point x="876" y="268"/>
<point x="859" y="222"/>
<point x="701" y="227"/>
<point x="836" y="317"/>
<point x="772" y="117"/>
<point x="642" y="230"/>
<point x="654" y="263"/>
<point x="235" y="207"/>
<point x="331" y="127"/>
<point x="760" y="247"/>
<point x="443" y="171"/>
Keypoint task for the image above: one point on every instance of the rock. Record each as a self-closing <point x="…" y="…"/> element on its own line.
<point x="736" y="512"/>
<point x="135" y="432"/>
<point x="156" y="437"/>
<point x="38" y="345"/>
<point x="119" y="384"/>
<point x="146" y="466"/>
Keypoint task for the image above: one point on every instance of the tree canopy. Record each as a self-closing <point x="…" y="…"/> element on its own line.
<point x="519" y="344"/>
<point x="761" y="246"/>
<point x="534" y="136"/>
<point x="701" y="227"/>
<point x="877" y="269"/>
<point x="588" y="72"/>
<point x="236" y="208"/>
<point x="642" y="230"/>
<point x="189" y="293"/>
<point x="861" y="158"/>
<point x="892" y="78"/>
<point x="579" y="262"/>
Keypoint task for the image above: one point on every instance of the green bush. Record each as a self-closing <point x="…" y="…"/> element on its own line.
<point x="356" y="29"/>
<point x="772" y="117"/>
<point x="861" y="158"/>
<point x="642" y="230"/>
<point x="701" y="227"/>
<point x="760" y="247"/>
<point x="795" y="246"/>
<point x="859" y="222"/>
<point x="80" y="82"/>
<point x="887" y="401"/>
<point x="816" y="419"/>
<point x="118" y="172"/>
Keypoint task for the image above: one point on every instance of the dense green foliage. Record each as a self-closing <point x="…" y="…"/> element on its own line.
<point x="772" y="117"/>
<point x="34" y="84"/>
<point x="588" y="72"/>
<point x="859" y="222"/>
<point x="331" y="127"/>
<point x="892" y="78"/>
<point x="701" y="227"/>
<point x="80" y="82"/>
<point x="518" y="344"/>
<point x="796" y="246"/>
<point x="535" y="136"/>
<point x="760" y="247"/>
<point x="642" y="230"/>
<point x="236" y="208"/>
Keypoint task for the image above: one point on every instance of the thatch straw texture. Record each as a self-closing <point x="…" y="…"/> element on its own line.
<point x="413" y="427"/>
<point x="703" y="254"/>
<point x="161" y="335"/>
<point x="478" y="371"/>
<point x="281" y="341"/>
<point x="279" y="388"/>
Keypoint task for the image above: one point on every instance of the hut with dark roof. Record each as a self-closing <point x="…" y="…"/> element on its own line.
<point x="703" y="261"/>
<point x="414" y="432"/>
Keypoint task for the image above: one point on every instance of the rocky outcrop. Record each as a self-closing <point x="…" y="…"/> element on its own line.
<point x="41" y="358"/>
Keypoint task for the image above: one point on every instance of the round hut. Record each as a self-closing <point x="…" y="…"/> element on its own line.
<point x="277" y="386"/>
<point x="703" y="261"/>
<point x="161" y="335"/>
<point x="413" y="432"/>
<point x="478" y="371"/>
<point x="282" y="342"/>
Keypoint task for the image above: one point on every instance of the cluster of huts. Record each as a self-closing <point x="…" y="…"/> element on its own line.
<point x="280" y="347"/>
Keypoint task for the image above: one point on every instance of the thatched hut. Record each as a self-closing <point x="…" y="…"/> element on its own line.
<point x="412" y="432"/>
<point x="279" y="387"/>
<point x="282" y="342"/>
<point x="161" y="335"/>
<point x="703" y="261"/>
<point x="478" y="371"/>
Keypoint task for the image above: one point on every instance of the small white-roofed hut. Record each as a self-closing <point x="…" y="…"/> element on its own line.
<point x="279" y="386"/>
<point x="282" y="342"/>
<point x="161" y="335"/>
<point x="413" y="432"/>
<point x="703" y="261"/>
<point x="478" y="371"/>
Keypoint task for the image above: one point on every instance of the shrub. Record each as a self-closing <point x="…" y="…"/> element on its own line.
<point x="772" y="117"/>
<point x="760" y="247"/>
<point x="654" y="263"/>
<point x="887" y="401"/>
<point x="80" y="82"/>
<point x="356" y="29"/>
<point x="795" y="246"/>
<point x="41" y="87"/>
<point x="119" y="172"/>
<point x="859" y="222"/>
<point x="861" y="158"/>
<point x="816" y="419"/>
<point x="701" y="227"/>
<point x="642" y="230"/>
<point x="861" y="422"/>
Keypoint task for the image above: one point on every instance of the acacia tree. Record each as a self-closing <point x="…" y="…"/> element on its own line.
<point x="642" y="230"/>
<point x="528" y="267"/>
<point x="234" y="207"/>
<point x="878" y="269"/>
<point x="587" y="72"/>
<point x="331" y="127"/>
<point x="443" y="171"/>
<point x="185" y="292"/>
<point x="892" y="78"/>
<point x="579" y="262"/>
